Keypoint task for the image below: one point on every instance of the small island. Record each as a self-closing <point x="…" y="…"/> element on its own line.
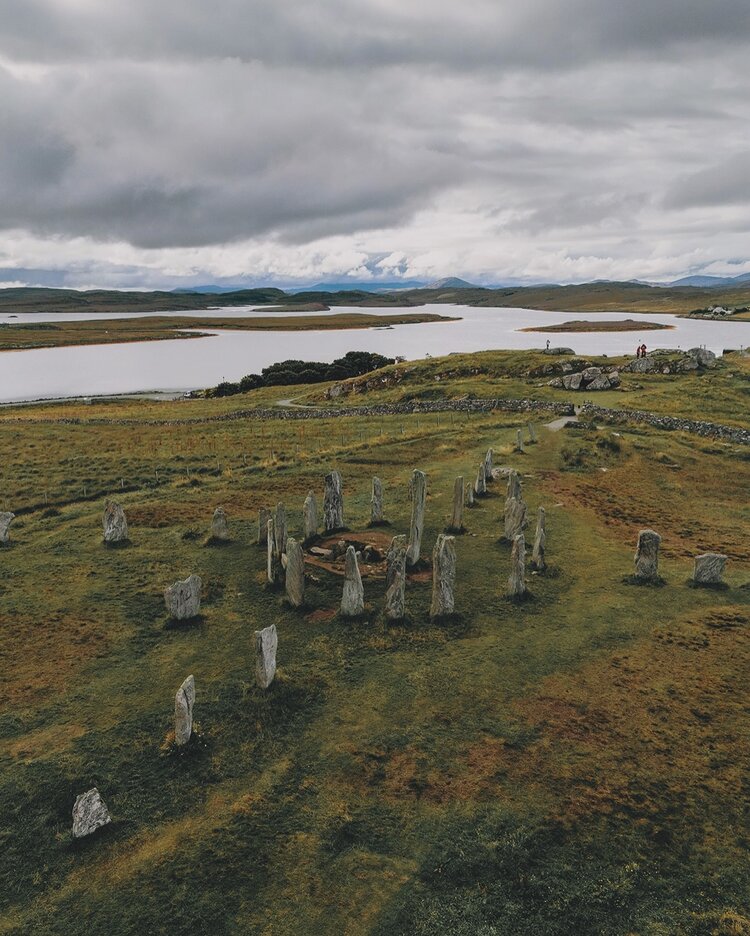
<point x="579" y="325"/>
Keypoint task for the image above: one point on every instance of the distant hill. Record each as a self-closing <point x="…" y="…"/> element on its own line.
<point x="367" y="286"/>
<point x="451" y="282"/>
<point x="711" y="281"/>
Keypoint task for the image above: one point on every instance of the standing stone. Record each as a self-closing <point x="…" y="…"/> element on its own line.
<point x="457" y="515"/>
<point x="480" y="485"/>
<point x="418" y="500"/>
<point x="219" y="528"/>
<point x="266" y="642"/>
<point x="395" y="579"/>
<point x="274" y="569"/>
<point x="517" y="579"/>
<point x="514" y="485"/>
<point x="709" y="569"/>
<point x="443" y="576"/>
<point x="532" y="433"/>
<point x="647" y="556"/>
<point x="515" y="517"/>
<point x="89" y="813"/>
<point x="310" y="517"/>
<point x="353" y="599"/>
<point x="6" y="518"/>
<point x="264" y="515"/>
<point x="488" y="459"/>
<point x="295" y="573"/>
<point x="519" y="440"/>
<point x="183" y="599"/>
<point x="183" y="712"/>
<point x="280" y="530"/>
<point x="376" y="502"/>
<point x="333" y="502"/>
<point x="115" y="524"/>
<point x="540" y="542"/>
<point x="469" y="495"/>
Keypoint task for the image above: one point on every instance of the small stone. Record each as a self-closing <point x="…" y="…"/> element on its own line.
<point x="219" y="528"/>
<point x="6" y="518"/>
<point x="321" y="552"/>
<point x="480" y="485"/>
<point x="418" y="501"/>
<point x="115" y="524"/>
<point x="295" y="573"/>
<point x="532" y="433"/>
<point x="519" y="440"/>
<point x="540" y="542"/>
<point x="457" y="516"/>
<point x="266" y="642"/>
<point x="89" y="813"/>
<point x="353" y="599"/>
<point x="183" y="712"/>
<point x="469" y="495"/>
<point x="310" y="517"/>
<point x="709" y="569"/>
<point x="183" y="599"/>
<point x="376" y="501"/>
<point x="274" y="568"/>
<point x="517" y="578"/>
<point x="647" y="556"/>
<point x="395" y="579"/>
<point x="443" y="576"/>
<point x="264" y="515"/>
<point x="333" y="502"/>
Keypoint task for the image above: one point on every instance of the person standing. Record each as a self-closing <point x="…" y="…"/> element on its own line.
<point x="638" y="351"/>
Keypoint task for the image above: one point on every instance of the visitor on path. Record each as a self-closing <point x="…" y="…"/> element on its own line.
<point x="643" y="350"/>
<point x="548" y="344"/>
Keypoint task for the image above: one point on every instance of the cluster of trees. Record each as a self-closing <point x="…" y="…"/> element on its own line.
<point x="284" y="373"/>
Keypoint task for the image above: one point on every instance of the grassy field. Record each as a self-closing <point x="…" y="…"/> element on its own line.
<point x="608" y="326"/>
<point x="576" y="764"/>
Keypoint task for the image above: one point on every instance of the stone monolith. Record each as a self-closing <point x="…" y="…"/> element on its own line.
<point x="480" y="485"/>
<point x="540" y="542"/>
<point x="266" y="642"/>
<point x="115" y="524"/>
<point x="488" y="466"/>
<point x="219" y="528"/>
<point x="310" y="517"/>
<point x="264" y="515"/>
<point x="519" y="440"/>
<point x="353" y="598"/>
<point x="274" y="569"/>
<point x="418" y="488"/>
<point x="532" y="433"/>
<point x="515" y="517"/>
<point x="709" y="569"/>
<point x="295" y="573"/>
<point x="514" y="484"/>
<point x="89" y="813"/>
<point x="6" y="518"/>
<point x="517" y="578"/>
<point x="183" y="712"/>
<point x="443" y="576"/>
<point x="647" y="556"/>
<point x="457" y="514"/>
<point x="395" y="579"/>
<point x="469" y="494"/>
<point x="376" y="502"/>
<point x="333" y="502"/>
<point x="183" y="599"/>
<point x="280" y="529"/>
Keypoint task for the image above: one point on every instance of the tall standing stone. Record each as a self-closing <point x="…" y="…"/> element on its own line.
<point x="517" y="578"/>
<point x="519" y="440"/>
<point x="266" y="643"/>
<point x="280" y="529"/>
<point x="183" y="599"/>
<point x="274" y="569"/>
<point x="333" y="502"/>
<point x="376" y="502"/>
<point x="418" y="501"/>
<point x="295" y="573"/>
<point x="353" y="599"/>
<point x="469" y="495"/>
<point x="264" y="515"/>
<point x="443" y="576"/>
<point x="219" y="528"/>
<point x="183" y="712"/>
<point x="532" y="433"/>
<point x="457" y="514"/>
<point x="514" y="518"/>
<point x="395" y="579"/>
<point x="480" y="485"/>
<point x="647" y="556"/>
<point x="709" y="569"/>
<point x="310" y="517"/>
<point x="540" y="542"/>
<point x="514" y="485"/>
<point x="89" y="813"/>
<point x="115" y="524"/>
<point x="488" y="465"/>
<point x="6" y="518"/>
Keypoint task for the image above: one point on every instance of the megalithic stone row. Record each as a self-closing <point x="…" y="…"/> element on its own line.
<point x="353" y="598"/>
<point x="219" y="528"/>
<point x="183" y="711"/>
<point x="264" y="515"/>
<point x="443" y="576"/>
<point x="418" y="502"/>
<point x="310" y="517"/>
<point x="517" y="578"/>
<point x="469" y="495"/>
<point x="266" y="644"/>
<point x="183" y="599"/>
<point x="647" y="556"/>
<point x="519" y="440"/>
<point x="395" y="579"/>
<point x="333" y="502"/>
<point x="114" y="523"/>
<point x="515" y="517"/>
<point x="709" y="569"/>
<point x="274" y="569"/>
<point x="376" y="502"/>
<point x="538" y="562"/>
<point x="89" y="813"/>
<point x="6" y="518"/>
<point x="480" y="485"/>
<point x="488" y="465"/>
<point x="280" y="529"/>
<point x="457" y="513"/>
<point x="295" y="573"/>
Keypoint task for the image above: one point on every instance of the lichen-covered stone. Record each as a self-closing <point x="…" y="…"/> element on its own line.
<point x="457" y="514"/>
<point x="416" y="528"/>
<point x="469" y="495"/>
<point x="376" y="501"/>
<point x="647" y="556"/>
<point x="183" y="712"/>
<point x="219" y="528"/>
<point x="266" y="643"/>
<point x="488" y="459"/>
<point x="443" y="576"/>
<point x="514" y="484"/>
<point x="6" y="518"/>
<point x="709" y="569"/>
<point x="517" y="578"/>
<point x="480" y="485"/>
<point x="395" y="579"/>
<point x="264" y="515"/>
<point x="353" y="598"/>
<point x="295" y="573"/>
<point x="310" y="517"/>
<point x="115" y="524"/>
<point x="515" y="517"/>
<point x="183" y="599"/>
<point x="333" y="502"/>
<point x="538" y="562"/>
<point x="89" y="813"/>
<point x="274" y="568"/>
<point x="280" y="529"/>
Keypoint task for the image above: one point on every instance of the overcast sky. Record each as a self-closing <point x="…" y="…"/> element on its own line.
<point x="159" y="142"/>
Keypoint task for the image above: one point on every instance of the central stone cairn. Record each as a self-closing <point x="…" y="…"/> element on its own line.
<point x="219" y="528"/>
<point x="418" y="501"/>
<point x="395" y="579"/>
<point x="515" y="516"/>
<point x="353" y="598"/>
<point x="333" y="502"/>
<point x="295" y="573"/>
<point x="266" y="643"/>
<point x="89" y="813"/>
<point x="183" y="599"/>
<point x="376" y="503"/>
<point x="114" y="523"/>
<point x="647" y="557"/>
<point x="6" y="518"/>
<point x="517" y="578"/>
<point x="443" y="576"/>
<point x="183" y="712"/>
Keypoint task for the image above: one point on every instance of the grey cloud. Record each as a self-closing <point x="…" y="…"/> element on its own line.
<point x="725" y="183"/>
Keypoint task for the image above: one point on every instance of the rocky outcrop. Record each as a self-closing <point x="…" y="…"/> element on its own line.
<point x="295" y="573"/>
<point x="709" y="569"/>
<point x="376" y="502"/>
<point x="183" y="599"/>
<point x="333" y="502"/>
<point x="589" y="378"/>
<point x="443" y="576"/>
<point x="517" y="578"/>
<point x="183" y="712"/>
<point x="418" y="487"/>
<point x="395" y="579"/>
<point x="353" y="598"/>
<point x="115" y="524"/>
<point x="89" y="813"/>
<point x="647" y="556"/>
<point x="266" y="644"/>
<point x="6" y="518"/>
<point x="219" y="528"/>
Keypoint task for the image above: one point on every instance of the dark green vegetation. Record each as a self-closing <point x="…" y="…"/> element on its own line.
<point x="576" y="764"/>
<point x="584" y="326"/>
<point x="286" y="373"/>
